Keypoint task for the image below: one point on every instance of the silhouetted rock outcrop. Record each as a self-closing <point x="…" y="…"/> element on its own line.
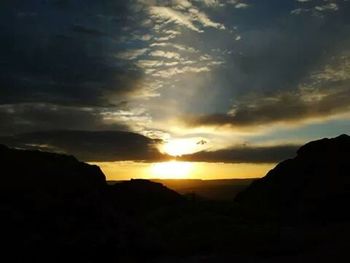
<point x="56" y="174"/>
<point x="315" y="184"/>
<point x="53" y="204"/>
<point x="143" y="194"/>
<point x="50" y="203"/>
<point x="55" y="208"/>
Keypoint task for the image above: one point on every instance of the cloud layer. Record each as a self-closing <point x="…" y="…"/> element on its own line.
<point x="248" y="154"/>
<point x="94" y="146"/>
<point x="110" y="146"/>
<point x="172" y="68"/>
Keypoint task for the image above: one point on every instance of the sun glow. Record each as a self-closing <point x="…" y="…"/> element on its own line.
<point x="171" y="170"/>
<point x="178" y="147"/>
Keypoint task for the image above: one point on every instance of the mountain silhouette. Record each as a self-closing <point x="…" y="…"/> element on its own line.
<point x="140" y="195"/>
<point x="53" y="204"/>
<point x="315" y="184"/>
<point x="55" y="208"/>
<point x="34" y="173"/>
<point x="43" y="172"/>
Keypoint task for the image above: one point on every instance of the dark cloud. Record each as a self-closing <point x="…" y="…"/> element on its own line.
<point x="63" y="57"/>
<point x="90" y="31"/>
<point x="94" y="146"/>
<point x="248" y="154"/>
<point x="19" y="118"/>
<point x="62" y="64"/>
<point x="286" y="107"/>
<point x="105" y="146"/>
<point x="277" y="50"/>
<point x="58" y="65"/>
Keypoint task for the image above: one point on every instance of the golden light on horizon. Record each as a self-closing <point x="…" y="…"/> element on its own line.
<point x="171" y="170"/>
<point x="181" y="170"/>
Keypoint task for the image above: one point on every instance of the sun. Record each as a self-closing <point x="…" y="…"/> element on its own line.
<point x="178" y="147"/>
<point x="171" y="170"/>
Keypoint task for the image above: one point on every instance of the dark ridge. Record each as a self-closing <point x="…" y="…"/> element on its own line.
<point x="54" y="207"/>
<point x="51" y="204"/>
<point x="219" y="189"/>
<point x="313" y="185"/>
<point x="44" y="172"/>
<point x="3" y="147"/>
<point x="138" y="194"/>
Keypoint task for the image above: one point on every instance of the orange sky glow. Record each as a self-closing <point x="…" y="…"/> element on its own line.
<point x="181" y="170"/>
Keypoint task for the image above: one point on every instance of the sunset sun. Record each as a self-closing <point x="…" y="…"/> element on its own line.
<point x="178" y="147"/>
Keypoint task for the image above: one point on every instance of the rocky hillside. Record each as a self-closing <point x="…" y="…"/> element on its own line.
<point x="315" y="184"/>
<point x="53" y="206"/>
<point x="36" y="171"/>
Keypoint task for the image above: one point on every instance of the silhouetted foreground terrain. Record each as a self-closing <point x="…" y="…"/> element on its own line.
<point x="314" y="185"/>
<point x="225" y="189"/>
<point x="55" y="208"/>
<point x="222" y="189"/>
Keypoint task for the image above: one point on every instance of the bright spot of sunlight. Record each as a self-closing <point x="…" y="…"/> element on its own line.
<point x="171" y="170"/>
<point x="179" y="147"/>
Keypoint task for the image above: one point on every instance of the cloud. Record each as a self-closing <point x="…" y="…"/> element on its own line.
<point x="166" y="73"/>
<point x="241" y="5"/>
<point x="64" y="62"/>
<point x="29" y="117"/>
<point x="272" y="59"/>
<point x="94" y="57"/>
<point x="165" y="54"/>
<point x="315" y="9"/>
<point x="237" y="4"/>
<point x="211" y="2"/>
<point x="299" y="11"/>
<point x="175" y="46"/>
<point x="92" y="146"/>
<point x="147" y="63"/>
<point x="109" y="146"/>
<point x="327" y="7"/>
<point x="168" y="15"/>
<point x="182" y="4"/>
<point x="185" y="16"/>
<point x="204" y="19"/>
<point x="89" y="31"/>
<point x="137" y="117"/>
<point x="222" y="3"/>
<point x="283" y="108"/>
<point x="248" y="154"/>
<point x="89" y="84"/>
<point x="334" y="72"/>
<point x="132" y="53"/>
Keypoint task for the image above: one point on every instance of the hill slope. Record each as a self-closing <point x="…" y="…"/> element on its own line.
<point x="225" y="189"/>
<point x="52" y="206"/>
<point x="314" y="184"/>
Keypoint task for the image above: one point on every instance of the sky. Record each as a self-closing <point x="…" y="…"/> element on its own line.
<point x="227" y="88"/>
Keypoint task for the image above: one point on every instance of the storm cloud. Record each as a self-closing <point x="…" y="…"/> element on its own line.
<point x="93" y="146"/>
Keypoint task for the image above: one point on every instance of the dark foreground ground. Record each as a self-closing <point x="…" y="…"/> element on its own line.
<point x="219" y="190"/>
<point x="54" y="208"/>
